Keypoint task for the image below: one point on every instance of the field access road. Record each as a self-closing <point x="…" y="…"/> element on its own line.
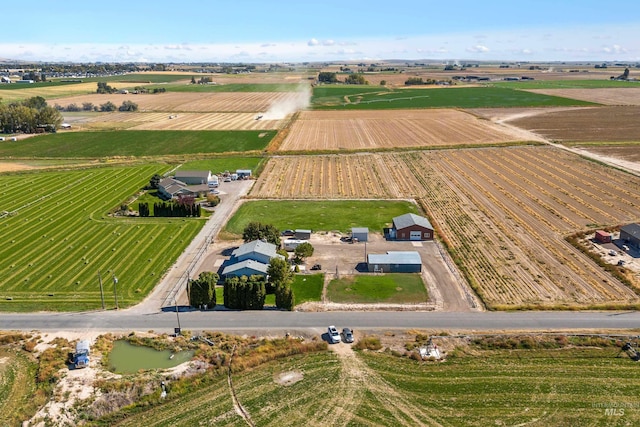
<point x="275" y="323"/>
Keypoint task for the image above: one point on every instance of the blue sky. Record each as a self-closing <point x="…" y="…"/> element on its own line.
<point x="293" y="31"/>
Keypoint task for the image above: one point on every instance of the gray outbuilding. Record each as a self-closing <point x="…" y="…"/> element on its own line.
<point x="395" y="262"/>
<point x="302" y="234"/>
<point x="360" y="233"/>
<point x="630" y="235"/>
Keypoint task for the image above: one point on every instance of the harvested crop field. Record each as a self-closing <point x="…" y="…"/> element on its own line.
<point x="612" y="96"/>
<point x="504" y="212"/>
<point x="626" y="152"/>
<point x="600" y="124"/>
<point x="183" y="121"/>
<point x="47" y="92"/>
<point x="189" y="101"/>
<point x="362" y="130"/>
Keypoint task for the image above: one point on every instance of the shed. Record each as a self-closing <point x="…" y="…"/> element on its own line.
<point x="360" y="233"/>
<point x="602" y="236"/>
<point x="243" y="173"/>
<point x="410" y="227"/>
<point x="630" y="235"/>
<point x="192" y="177"/>
<point x="395" y="262"/>
<point x="302" y="234"/>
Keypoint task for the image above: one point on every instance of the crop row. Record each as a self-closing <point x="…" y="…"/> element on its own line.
<point x="55" y="248"/>
<point x="504" y="212"/>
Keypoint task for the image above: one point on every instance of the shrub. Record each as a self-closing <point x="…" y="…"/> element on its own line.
<point x="368" y="343"/>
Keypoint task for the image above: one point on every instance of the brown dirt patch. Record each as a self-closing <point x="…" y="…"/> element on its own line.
<point x="288" y="378"/>
<point x="13" y="167"/>
<point x="608" y="96"/>
<point x="353" y="130"/>
<point x="585" y="124"/>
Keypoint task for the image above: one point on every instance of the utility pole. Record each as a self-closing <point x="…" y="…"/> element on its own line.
<point x="101" y="290"/>
<point x="115" y="293"/>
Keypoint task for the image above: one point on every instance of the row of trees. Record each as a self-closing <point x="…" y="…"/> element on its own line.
<point x="245" y="293"/>
<point x="352" y="79"/>
<point x="103" y="87"/>
<point x="202" y="291"/>
<point x="170" y="209"/>
<point x="28" y="116"/>
<point x="106" y="107"/>
<point x="258" y="231"/>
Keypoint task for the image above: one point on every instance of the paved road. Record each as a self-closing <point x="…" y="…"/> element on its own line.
<point x="276" y="322"/>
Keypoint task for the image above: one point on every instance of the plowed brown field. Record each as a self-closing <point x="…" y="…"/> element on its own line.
<point x="585" y="124"/>
<point x="182" y="121"/>
<point x="189" y="102"/>
<point x="609" y="96"/>
<point x="503" y="211"/>
<point x="361" y="130"/>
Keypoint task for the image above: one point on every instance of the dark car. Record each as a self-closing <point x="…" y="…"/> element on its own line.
<point x="316" y="267"/>
<point x="347" y="335"/>
<point x="288" y="233"/>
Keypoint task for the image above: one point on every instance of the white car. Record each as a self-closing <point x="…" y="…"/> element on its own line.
<point x="334" y="335"/>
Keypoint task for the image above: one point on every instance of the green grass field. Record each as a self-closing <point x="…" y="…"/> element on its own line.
<point x="327" y="215"/>
<point x="395" y="288"/>
<point x="136" y="143"/>
<point x="333" y="98"/>
<point x="17" y="387"/>
<point x="221" y="164"/>
<point x="59" y="235"/>
<point x="560" y="387"/>
<point x="307" y="287"/>
<point x="566" y="84"/>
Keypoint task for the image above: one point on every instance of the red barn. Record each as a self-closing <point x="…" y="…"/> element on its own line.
<point x="411" y="227"/>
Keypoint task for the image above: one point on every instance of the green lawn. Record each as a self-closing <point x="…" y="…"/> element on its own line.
<point x="59" y="235"/>
<point x="221" y="164"/>
<point x="307" y="287"/>
<point x="565" y="84"/>
<point x="328" y="215"/>
<point x="394" y="288"/>
<point x="460" y="97"/>
<point x="136" y="143"/>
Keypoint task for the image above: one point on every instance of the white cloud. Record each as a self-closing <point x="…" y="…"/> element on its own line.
<point x="313" y="42"/>
<point x="328" y="42"/>
<point x="478" y="49"/>
<point x="268" y="45"/>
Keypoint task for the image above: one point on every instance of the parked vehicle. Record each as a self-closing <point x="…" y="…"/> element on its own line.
<point x="347" y="335"/>
<point x="613" y="253"/>
<point x="334" y="335"/>
<point x="316" y="267"/>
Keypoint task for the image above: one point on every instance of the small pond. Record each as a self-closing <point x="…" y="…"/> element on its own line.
<point x="128" y="358"/>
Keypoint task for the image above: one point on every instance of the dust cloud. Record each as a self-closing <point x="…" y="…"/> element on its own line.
<point x="295" y="101"/>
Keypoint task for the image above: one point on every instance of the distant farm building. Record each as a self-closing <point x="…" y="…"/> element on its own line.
<point x="395" y="262"/>
<point x="630" y="235"/>
<point x="193" y="177"/>
<point x="361" y="234"/>
<point x="602" y="236"/>
<point x="410" y="227"/>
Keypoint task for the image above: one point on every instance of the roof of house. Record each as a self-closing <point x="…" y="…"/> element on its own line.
<point x="250" y="264"/>
<point x="407" y="220"/>
<point x="395" y="257"/>
<point x="172" y="186"/>
<point x="631" y="229"/>
<point x="193" y="174"/>
<point x="258" y="246"/>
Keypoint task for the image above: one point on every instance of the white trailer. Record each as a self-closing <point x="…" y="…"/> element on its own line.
<point x="290" y="245"/>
